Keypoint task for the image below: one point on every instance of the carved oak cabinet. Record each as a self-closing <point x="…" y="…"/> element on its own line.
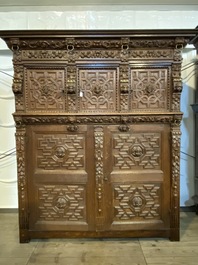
<point x="98" y="131"/>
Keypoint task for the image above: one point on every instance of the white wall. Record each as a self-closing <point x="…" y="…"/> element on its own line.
<point x="98" y="19"/>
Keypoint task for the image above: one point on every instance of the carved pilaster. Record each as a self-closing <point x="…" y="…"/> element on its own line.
<point x="98" y="137"/>
<point x="177" y="86"/>
<point x="124" y="87"/>
<point x="17" y="87"/>
<point x="22" y="184"/>
<point x="175" y="180"/>
<point x="71" y="87"/>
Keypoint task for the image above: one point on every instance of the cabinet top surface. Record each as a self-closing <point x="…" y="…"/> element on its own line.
<point x="189" y="33"/>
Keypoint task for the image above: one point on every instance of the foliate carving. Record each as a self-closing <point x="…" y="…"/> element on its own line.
<point x="176" y="71"/>
<point x="62" y="43"/>
<point x="176" y="101"/>
<point x="98" y="137"/>
<point x="62" y="203"/>
<point x="22" y="182"/>
<point x="175" y="136"/>
<point x="177" y="55"/>
<point x="124" y="54"/>
<point x="136" y="151"/>
<point x="17" y="85"/>
<point x="149" y="89"/>
<point x="71" y="80"/>
<point x="177" y="86"/>
<point x="148" y="43"/>
<point x="123" y="128"/>
<point x="99" y="54"/>
<point x="124" y="78"/>
<point x="19" y="102"/>
<point x="43" y="44"/>
<point x="136" y="202"/>
<point x="44" y="54"/>
<point x="44" y="89"/>
<point x="71" y="86"/>
<point x="98" y="88"/>
<point x="23" y="120"/>
<point x="146" y="54"/>
<point x="96" y="44"/>
<point x="60" y="151"/>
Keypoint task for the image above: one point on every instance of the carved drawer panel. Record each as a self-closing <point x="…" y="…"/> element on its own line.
<point x="44" y="90"/>
<point x="150" y="89"/>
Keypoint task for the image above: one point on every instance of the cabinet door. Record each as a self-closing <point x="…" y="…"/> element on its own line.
<point x="60" y="190"/>
<point x="137" y="174"/>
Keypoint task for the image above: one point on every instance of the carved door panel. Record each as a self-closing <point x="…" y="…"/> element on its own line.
<point x="137" y="175"/>
<point x="98" y="89"/>
<point x="44" y="89"/>
<point x="60" y="187"/>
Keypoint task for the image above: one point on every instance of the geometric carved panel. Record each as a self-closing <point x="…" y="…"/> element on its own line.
<point x="98" y="89"/>
<point x="57" y="203"/>
<point x="136" y="151"/>
<point x="137" y="202"/>
<point x="60" y="151"/>
<point x="150" y="89"/>
<point x="45" y="90"/>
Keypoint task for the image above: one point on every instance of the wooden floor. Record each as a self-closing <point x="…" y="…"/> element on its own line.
<point x="99" y="252"/>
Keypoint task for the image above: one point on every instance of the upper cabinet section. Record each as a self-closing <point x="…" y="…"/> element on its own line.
<point x="97" y="72"/>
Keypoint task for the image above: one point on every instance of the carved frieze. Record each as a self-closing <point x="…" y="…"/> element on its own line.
<point x="108" y="43"/>
<point x="117" y="119"/>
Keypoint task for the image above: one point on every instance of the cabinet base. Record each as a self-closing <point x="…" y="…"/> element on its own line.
<point x="173" y="234"/>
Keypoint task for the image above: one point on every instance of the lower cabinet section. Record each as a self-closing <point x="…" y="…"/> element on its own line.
<point x="98" y="180"/>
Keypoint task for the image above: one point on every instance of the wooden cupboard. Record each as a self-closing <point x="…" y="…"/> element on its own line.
<point x="98" y="131"/>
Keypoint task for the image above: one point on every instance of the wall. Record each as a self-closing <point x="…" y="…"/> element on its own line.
<point x="93" y="19"/>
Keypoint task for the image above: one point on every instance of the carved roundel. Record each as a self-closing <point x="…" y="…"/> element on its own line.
<point x="61" y="203"/>
<point x="137" y="202"/>
<point x="136" y="150"/>
<point x="60" y="153"/>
